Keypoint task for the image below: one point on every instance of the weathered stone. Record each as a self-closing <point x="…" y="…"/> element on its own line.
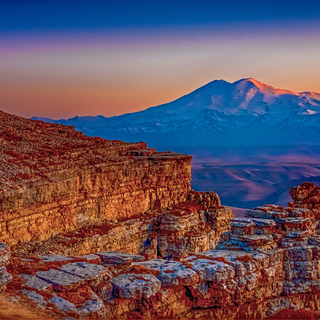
<point x="171" y="272"/>
<point x="60" y="280"/>
<point x="35" y="297"/>
<point x="276" y="305"/>
<point x="111" y="257"/>
<point x="63" y="305"/>
<point x="4" y="254"/>
<point x="242" y="226"/>
<point x="308" y="270"/>
<point x="92" y="273"/>
<point x="186" y="228"/>
<point x="36" y="283"/>
<point x="132" y="286"/>
<point x="105" y="291"/>
<point x="5" y="278"/>
<point x="93" y="308"/>
<point x="91" y="258"/>
<point x="209" y="270"/>
<point x="275" y="256"/>
<point x="298" y="253"/>
<point x="54" y="257"/>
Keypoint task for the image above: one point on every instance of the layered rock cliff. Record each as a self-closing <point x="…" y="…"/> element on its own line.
<point x="267" y="264"/>
<point x="107" y="229"/>
<point x="65" y="193"/>
<point x="53" y="179"/>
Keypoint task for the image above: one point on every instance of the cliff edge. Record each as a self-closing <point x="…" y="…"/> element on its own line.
<point x="54" y="179"/>
<point x="103" y="229"/>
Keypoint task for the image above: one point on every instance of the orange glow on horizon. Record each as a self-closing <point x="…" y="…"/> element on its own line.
<point x="66" y="101"/>
<point x="66" y="80"/>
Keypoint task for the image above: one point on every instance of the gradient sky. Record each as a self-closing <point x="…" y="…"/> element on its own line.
<point x="61" y="59"/>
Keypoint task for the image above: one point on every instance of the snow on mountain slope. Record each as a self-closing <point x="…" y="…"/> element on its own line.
<point x="244" y="112"/>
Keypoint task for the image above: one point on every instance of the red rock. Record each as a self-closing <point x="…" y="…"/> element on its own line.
<point x="54" y="179"/>
<point x="68" y="194"/>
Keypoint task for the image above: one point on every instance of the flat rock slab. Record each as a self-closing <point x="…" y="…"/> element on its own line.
<point x="231" y="257"/>
<point x="91" y="258"/>
<point x="135" y="286"/>
<point x="60" y="280"/>
<point x="171" y="272"/>
<point x="114" y="257"/>
<point x="36" y="283"/>
<point x="209" y="270"/>
<point x="35" y="297"/>
<point x="264" y="222"/>
<point x="242" y="222"/>
<point x="63" y="305"/>
<point x="87" y="271"/>
<point x="54" y="257"/>
<point x="93" y="308"/>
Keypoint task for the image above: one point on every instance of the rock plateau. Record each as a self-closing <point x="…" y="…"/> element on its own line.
<point x="92" y="228"/>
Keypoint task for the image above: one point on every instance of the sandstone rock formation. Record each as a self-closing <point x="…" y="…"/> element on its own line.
<point x="111" y="230"/>
<point x="54" y="179"/>
<point x="268" y="263"/>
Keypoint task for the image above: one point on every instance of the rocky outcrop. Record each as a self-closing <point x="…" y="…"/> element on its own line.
<point x="54" y="179"/>
<point x="307" y="195"/>
<point x="266" y="264"/>
<point x="107" y="229"/>
<point x="65" y="195"/>
<point x="174" y="233"/>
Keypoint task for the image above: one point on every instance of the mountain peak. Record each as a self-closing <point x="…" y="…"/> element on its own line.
<point x="246" y="111"/>
<point x="264" y="88"/>
<point x="257" y="83"/>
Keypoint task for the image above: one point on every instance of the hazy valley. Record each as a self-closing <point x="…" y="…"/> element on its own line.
<point x="249" y="176"/>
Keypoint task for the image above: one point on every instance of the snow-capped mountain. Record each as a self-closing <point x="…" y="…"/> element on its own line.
<point x="246" y="112"/>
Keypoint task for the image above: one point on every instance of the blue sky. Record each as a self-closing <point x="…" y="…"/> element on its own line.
<point x="96" y="15"/>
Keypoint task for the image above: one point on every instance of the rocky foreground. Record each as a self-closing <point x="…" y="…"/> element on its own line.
<point x="109" y="230"/>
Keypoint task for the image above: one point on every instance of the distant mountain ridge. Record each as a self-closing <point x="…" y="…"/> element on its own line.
<point x="246" y="112"/>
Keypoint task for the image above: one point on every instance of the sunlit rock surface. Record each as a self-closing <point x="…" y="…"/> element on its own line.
<point x="54" y="179"/>
<point x="108" y="230"/>
<point x="266" y="264"/>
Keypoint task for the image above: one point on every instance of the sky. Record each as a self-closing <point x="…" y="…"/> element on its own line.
<point x="61" y="59"/>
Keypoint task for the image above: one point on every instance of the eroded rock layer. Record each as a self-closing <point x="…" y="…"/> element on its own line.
<point x="176" y="232"/>
<point x="268" y="263"/>
<point x="64" y="196"/>
<point x="307" y="195"/>
<point x="111" y="230"/>
<point x="53" y="179"/>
